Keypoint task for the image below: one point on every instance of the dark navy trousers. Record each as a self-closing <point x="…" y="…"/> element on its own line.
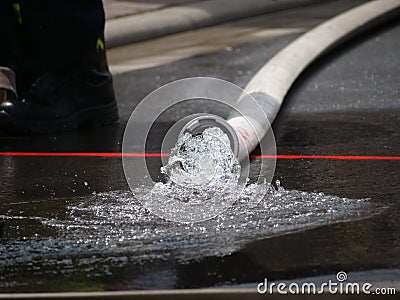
<point x="45" y="35"/>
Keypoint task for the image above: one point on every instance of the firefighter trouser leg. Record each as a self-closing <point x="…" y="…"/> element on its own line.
<point x="45" y="35"/>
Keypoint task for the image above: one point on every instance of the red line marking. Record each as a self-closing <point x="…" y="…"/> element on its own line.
<point x="80" y="154"/>
<point x="117" y="154"/>
<point x="334" y="157"/>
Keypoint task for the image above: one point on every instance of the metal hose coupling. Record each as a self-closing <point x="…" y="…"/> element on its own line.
<point x="200" y="123"/>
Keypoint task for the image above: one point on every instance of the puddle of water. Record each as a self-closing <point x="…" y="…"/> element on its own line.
<point x="108" y="230"/>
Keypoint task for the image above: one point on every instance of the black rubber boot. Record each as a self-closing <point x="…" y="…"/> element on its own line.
<point x="62" y="101"/>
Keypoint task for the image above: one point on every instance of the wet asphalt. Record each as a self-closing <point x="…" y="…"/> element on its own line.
<point x="347" y="103"/>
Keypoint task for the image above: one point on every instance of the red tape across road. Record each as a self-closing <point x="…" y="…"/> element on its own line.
<point x="117" y="154"/>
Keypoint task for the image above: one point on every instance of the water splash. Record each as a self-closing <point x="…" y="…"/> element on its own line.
<point x="203" y="179"/>
<point x="115" y="225"/>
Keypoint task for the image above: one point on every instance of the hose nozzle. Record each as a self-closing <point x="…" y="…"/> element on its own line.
<point x="200" y="123"/>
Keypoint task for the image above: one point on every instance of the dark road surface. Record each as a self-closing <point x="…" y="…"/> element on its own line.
<point x="348" y="103"/>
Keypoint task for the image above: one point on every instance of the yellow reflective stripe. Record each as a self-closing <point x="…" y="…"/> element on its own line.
<point x="100" y="45"/>
<point x="17" y="10"/>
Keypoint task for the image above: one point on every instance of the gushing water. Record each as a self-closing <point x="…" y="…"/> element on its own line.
<point x="203" y="179"/>
<point x="203" y="160"/>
